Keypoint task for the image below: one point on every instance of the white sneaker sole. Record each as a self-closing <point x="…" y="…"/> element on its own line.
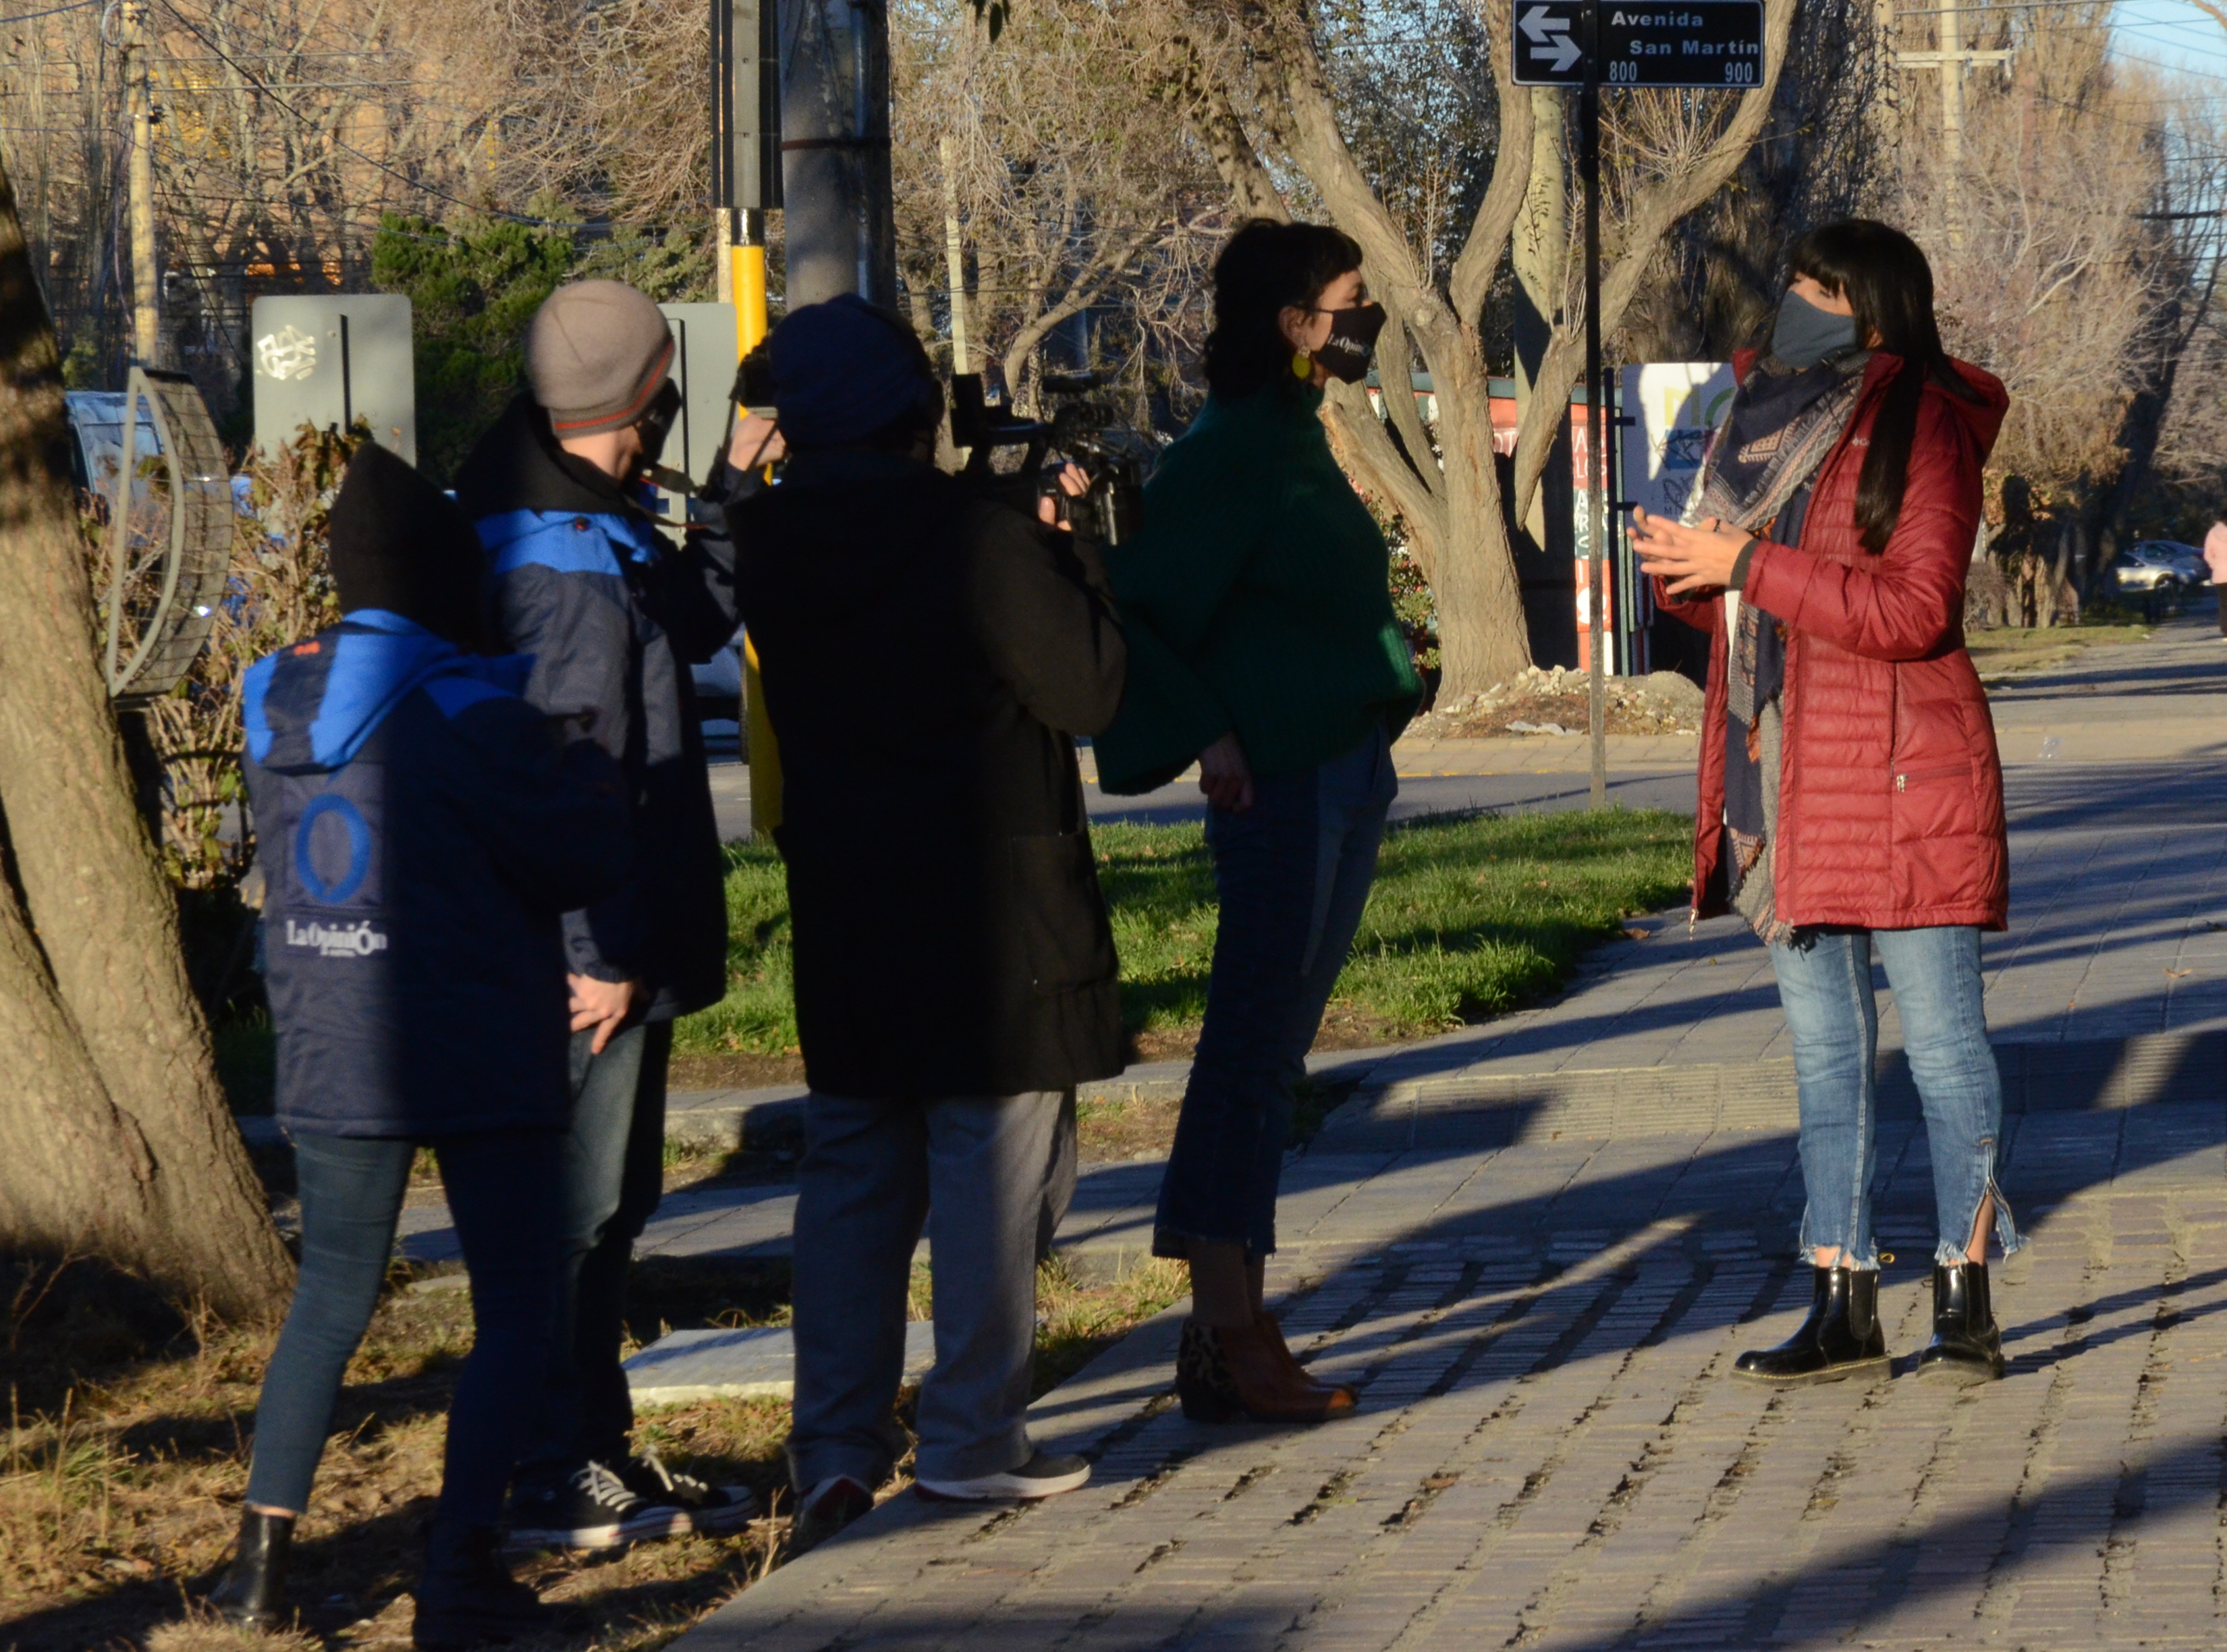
<point x="1002" y="1488"/>
<point x="649" y="1525"/>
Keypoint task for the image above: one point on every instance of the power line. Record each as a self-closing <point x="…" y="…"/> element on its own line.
<point x="399" y="176"/>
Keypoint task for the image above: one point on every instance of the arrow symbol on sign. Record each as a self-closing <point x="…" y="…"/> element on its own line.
<point x="1549" y="40"/>
<point x="1543" y="26"/>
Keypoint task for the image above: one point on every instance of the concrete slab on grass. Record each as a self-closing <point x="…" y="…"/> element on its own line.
<point x="756" y="1363"/>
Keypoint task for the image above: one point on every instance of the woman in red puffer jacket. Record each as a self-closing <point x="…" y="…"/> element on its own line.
<point x="1851" y="797"/>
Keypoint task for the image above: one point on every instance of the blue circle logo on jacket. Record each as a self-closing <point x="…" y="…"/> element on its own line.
<point x="357" y="835"/>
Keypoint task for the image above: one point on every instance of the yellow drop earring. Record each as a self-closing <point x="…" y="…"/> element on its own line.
<point x="1302" y="365"/>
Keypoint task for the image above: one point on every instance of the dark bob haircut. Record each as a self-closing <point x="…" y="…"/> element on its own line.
<point x="1884" y="276"/>
<point x="1264" y="268"/>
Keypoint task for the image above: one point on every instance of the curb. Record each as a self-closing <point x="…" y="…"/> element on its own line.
<point x="1470" y="1111"/>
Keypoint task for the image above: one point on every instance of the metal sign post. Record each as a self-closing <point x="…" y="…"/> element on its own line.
<point x="1588" y="44"/>
<point x="1596" y="408"/>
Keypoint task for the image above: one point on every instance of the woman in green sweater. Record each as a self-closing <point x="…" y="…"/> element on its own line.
<point x="1261" y="646"/>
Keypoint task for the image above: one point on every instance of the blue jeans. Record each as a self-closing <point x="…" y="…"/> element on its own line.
<point x="612" y="1179"/>
<point x="498" y="1184"/>
<point x="1292" y="873"/>
<point x="1825" y="984"/>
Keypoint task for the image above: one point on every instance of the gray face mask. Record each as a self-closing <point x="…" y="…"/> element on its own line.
<point x="1806" y="336"/>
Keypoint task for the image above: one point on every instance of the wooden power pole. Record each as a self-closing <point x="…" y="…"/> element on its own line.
<point x="1951" y="59"/>
<point x="139" y="184"/>
<point x="955" y="253"/>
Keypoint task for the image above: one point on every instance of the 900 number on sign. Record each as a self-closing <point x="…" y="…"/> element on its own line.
<point x="1737" y="74"/>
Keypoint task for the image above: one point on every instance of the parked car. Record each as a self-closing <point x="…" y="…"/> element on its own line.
<point x="2186" y="560"/>
<point x="2138" y="568"/>
<point x="719" y="684"/>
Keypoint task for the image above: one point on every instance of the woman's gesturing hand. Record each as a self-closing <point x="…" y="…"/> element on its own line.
<point x="1225" y="776"/>
<point x="1693" y="558"/>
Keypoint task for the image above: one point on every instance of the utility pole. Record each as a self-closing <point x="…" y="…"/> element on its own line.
<point x="1951" y="59"/>
<point x="955" y="253"/>
<point x="838" y="216"/>
<point x="139" y="184"/>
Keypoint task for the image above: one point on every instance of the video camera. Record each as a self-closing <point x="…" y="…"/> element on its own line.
<point x="1084" y="431"/>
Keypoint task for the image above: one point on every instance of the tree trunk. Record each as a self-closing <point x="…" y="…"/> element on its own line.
<point x="1539" y="253"/>
<point x="119" y="1141"/>
<point x="1483" y="637"/>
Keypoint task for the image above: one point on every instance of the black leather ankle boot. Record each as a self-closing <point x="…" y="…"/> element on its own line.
<point x="1966" y="1346"/>
<point x="252" y="1591"/>
<point x="1841" y="1339"/>
<point x="466" y="1596"/>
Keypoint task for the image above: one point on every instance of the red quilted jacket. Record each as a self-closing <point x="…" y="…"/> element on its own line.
<point x="1890" y="792"/>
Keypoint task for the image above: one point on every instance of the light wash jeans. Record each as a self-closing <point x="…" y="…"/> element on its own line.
<point x="991" y="1177"/>
<point x="1292" y="873"/>
<point x="1825" y="984"/>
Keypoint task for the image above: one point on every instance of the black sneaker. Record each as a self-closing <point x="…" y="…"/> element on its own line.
<point x="706" y="1509"/>
<point x="1040" y="1477"/>
<point x="593" y="1509"/>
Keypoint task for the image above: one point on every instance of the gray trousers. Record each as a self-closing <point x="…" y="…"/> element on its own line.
<point x="990" y="1178"/>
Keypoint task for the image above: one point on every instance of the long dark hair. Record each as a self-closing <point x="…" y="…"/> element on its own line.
<point x="1888" y="283"/>
<point x="1264" y="268"/>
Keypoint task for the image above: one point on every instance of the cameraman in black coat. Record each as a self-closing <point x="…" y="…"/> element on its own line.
<point x="928" y="657"/>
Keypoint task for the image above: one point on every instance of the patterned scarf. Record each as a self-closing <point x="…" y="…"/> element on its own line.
<point x="1756" y="478"/>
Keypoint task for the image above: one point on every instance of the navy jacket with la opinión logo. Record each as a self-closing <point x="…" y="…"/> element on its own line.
<point x="422" y="831"/>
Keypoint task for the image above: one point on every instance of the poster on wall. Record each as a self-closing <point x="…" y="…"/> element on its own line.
<point x="1675" y="407"/>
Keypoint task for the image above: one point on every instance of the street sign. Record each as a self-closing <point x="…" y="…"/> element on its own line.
<point x="1698" y="43"/>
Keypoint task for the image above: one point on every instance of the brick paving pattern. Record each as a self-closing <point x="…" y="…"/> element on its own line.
<point x="1537" y="1247"/>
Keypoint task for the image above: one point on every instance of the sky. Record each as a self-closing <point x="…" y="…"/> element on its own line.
<point x="2173" y="35"/>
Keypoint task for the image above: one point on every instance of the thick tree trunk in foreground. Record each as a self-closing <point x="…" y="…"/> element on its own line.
<point x="115" y="1139"/>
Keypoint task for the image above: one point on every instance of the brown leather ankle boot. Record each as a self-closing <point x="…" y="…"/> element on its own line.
<point x="1269" y="1324"/>
<point x="1226" y="1373"/>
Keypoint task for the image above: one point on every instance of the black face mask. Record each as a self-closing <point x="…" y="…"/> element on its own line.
<point x="1351" y="345"/>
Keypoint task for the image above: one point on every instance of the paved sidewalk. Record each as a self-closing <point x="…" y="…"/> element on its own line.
<point x="1537" y="1245"/>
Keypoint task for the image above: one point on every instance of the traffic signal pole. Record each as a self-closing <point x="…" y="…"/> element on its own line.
<point x="838" y="221"/>
<point x="746" y="184"/>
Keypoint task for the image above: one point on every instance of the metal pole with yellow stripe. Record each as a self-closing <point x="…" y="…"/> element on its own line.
<point x="746" y="182"/>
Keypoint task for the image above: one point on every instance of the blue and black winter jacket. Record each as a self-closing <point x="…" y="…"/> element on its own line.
<point x="613" y="615"/>
<point x="423" y="830"/>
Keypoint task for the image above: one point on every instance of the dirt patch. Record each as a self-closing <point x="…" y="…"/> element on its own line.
<point x="128" y="1451"/>
<point x="1344" y="1027"/>
<point x="1558" y="701"/>
<point x="1106" y="1131"/>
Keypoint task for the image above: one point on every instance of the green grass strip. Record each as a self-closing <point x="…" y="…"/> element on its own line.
<point x="1469" y="917"/>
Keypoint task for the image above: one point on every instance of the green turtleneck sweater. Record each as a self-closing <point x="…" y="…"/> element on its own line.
<point x="1254" y="600"/>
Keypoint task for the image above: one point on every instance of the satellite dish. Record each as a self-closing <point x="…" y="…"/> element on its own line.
<point x="169" y="541"/>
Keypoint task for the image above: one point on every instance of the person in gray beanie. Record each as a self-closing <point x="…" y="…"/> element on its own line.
<point x="928" y="657"/>
<point x="612" y="613"/>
